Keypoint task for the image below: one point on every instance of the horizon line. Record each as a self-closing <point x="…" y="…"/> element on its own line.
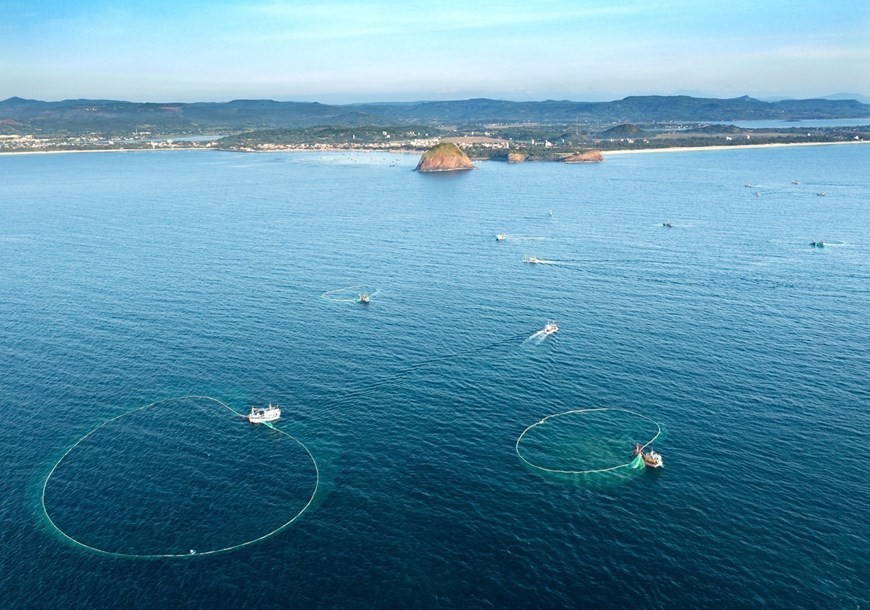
<point x="834" y="97"/>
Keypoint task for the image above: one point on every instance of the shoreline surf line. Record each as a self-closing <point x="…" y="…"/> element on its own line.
<point x="673" y="149"/>
<point x="417" y="152"/>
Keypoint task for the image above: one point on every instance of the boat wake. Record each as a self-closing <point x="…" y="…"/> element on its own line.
<point x="533" y="260"/>
<point x="366" y="388"/>
<point x="350" y="294"/>
<point x="539" y="336"/>
<point x="514" y="237"/>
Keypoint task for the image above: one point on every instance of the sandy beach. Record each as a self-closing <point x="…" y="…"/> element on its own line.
<point x="608" y="153"/>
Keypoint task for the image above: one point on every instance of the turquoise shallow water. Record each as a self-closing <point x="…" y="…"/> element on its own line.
<point x="129" y="278"/>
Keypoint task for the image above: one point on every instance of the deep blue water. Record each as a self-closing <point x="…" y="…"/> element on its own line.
<point x="129" y="278"/>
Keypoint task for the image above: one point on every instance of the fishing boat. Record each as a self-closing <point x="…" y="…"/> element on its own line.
<point x="500" y="236"/>
<point x="650" y="458"/>
<point x="817" y="244"/>
<point x="530" y="259"/>
<point x="550" y="328"/>
<point x="667" y="224"/>
<point x="821" y="194"/>
<point x="363" y="298"/>
<point x="260" y="415"/>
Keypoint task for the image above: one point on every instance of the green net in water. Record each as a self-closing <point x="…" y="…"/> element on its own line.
<point x="587" y="441"/>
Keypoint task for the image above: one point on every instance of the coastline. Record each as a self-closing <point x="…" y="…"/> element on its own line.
<point x="674" y="149"/>
<point x="94" y="150"/>
<point x="606" y="153"/>
<point x="180" y="149"/>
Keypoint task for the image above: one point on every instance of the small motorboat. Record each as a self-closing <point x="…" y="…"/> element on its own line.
<point x="817" y="244"/>
<point x="363" y="298"/>
<point x="530" y="259"/>
<point x="550" y="328"/>
<point x="549" y="212"/>
<point x="261" y="415"/>
<point x="821" y="194"/>
<point x="668" y="224"/>
<point x="500" y="236"/>
<point x="795" y="181"/>
<point x="650" y="458"/>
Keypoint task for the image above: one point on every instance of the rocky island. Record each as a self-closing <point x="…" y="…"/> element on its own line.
<point x="589" y="156"/>
<point x="444" y="157"/>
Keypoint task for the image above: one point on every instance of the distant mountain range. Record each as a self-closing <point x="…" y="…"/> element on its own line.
<point x="19" y="115"/>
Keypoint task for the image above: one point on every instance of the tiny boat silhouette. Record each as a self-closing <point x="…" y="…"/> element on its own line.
<point x="667" y="224"/>
<point x="650" y="458"/>
<point x="821" y="194"/>
<point x="363" y="298"/>
<point x="795" y="181"/>
<point x="817" y="244"/>
<point x="260" y="415"/>
<point x="550" y="328"/>
<point x="530" y="259"/>
<point x="500" y="236"/>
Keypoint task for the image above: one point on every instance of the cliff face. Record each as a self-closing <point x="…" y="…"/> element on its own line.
<point x="590" y="156"/>
<point x="445" y="157"/>
<point x="514" y="157"/>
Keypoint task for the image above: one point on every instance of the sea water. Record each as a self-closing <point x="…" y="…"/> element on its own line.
<point x="130" y="278"/>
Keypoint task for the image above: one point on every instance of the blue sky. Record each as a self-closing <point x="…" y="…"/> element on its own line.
<point x="384" y="50"/>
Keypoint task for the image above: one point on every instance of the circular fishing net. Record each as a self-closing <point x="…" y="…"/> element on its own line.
<point x="177" y="478"/>
<point x="587" y="441"/>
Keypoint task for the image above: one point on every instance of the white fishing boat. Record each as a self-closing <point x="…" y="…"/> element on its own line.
<point x="363" y="298"/>
<point x="500" y="236"/>
<point x="530" y="259"/>
<point x="260" y="415"/>
<point x="550" y="328"/>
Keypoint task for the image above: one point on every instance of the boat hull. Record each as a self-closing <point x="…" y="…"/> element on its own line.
<point x="264" y="416"/>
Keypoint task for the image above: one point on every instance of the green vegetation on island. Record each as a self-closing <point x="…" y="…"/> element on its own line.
<point x="444" y="157"/>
